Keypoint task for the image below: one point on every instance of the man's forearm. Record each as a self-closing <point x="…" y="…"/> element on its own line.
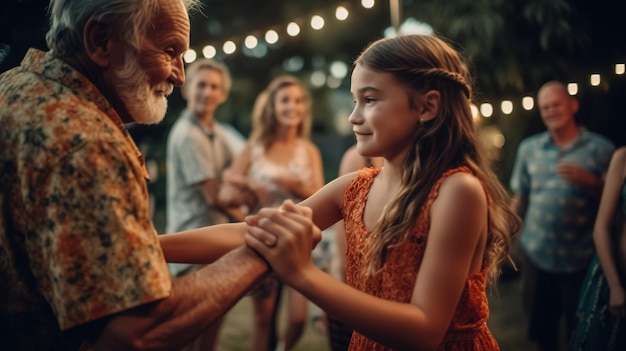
<point x="197" y="300"/>
<point x="228" y="279"/>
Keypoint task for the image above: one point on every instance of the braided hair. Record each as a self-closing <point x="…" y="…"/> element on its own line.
<point x="423" y="63"/>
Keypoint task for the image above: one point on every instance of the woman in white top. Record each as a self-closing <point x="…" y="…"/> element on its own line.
<point x="278" y="162"/>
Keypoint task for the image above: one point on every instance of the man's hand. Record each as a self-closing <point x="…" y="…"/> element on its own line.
<point x="577" y="175"/>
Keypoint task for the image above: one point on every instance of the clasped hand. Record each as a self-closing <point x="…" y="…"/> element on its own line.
<point x="284" y="236"/>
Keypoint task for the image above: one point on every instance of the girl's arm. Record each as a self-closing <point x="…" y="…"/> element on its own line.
<point x="205" y="245"/>
<point x="603" y="228"/>
<point x="202" y="245"/>
<point x="327" y="202"/>
<point x="455" y="247"/>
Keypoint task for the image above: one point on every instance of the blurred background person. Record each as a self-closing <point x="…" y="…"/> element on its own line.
<point x="279" y="162"/>
<point x="557" y="179"/>
<point x="199" y="149"/>
<point x="602" y="303"/>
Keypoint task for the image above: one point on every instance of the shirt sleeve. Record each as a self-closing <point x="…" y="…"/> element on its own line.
<point x="195" y="162"/>
<point x="93" y="248"/>
<point x="520" y="180"/>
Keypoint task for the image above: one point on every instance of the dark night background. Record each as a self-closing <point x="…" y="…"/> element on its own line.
<point x="513" y="47"/>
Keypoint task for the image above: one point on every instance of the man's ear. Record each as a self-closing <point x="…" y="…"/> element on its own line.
<point x="96" y="40"/>
<point x="429" y="103"/>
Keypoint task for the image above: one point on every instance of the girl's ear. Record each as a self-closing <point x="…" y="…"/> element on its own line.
<point x="429" y="105"/>
<point x="96" y="40"/>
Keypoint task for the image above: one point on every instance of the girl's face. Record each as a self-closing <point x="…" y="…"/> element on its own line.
<point x="382" y="120"/>
<point x="290" y="106"/>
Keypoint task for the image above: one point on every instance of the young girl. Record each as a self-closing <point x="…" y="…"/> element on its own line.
<point x="339" y="333"/>
<point x="426" y="232"/>
<point x="602" y="302"/>
<point x="279" y="162"/>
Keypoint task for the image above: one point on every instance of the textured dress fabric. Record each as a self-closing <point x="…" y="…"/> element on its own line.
<point x="468" y="329"/>
<point x="597" y="328"/>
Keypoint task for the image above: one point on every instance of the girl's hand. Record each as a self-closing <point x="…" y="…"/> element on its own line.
<point x="617" y="302"/>
<point x="285" y="236"/>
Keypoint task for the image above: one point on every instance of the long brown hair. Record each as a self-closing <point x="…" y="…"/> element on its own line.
<point x="423" y="63"/>
<point x="264" y="122"/>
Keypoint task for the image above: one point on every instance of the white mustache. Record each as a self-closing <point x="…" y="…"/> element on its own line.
<point x="165" y="89"/>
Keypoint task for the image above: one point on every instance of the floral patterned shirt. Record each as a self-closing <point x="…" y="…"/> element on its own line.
<point x="76" y="240"/>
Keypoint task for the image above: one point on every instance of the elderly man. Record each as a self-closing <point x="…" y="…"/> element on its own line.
<point x="557" y="179"/>
<point x="80" y="262"/>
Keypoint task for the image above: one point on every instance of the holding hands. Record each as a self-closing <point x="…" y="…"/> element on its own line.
<point x="284" y="236"/>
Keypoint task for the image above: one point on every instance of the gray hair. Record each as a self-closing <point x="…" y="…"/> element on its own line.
<point x="206" y="63"/>
<point x="69" y="17"/>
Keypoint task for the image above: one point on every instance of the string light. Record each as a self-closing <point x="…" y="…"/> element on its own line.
<point x="251" y="42"/>
<point x="338" y="69"/>
<point x="190" y="55"/>
<point x="209" y="51"/>
<point x="341" y="13"/>
<point x="506" y="106"/>
<point x="528" y="103"/>
<point x="317" y="22"/>
<point x="293" y="29"/>
<point x="229" y="47"/>
<point x="271" y="36"/>
<point x="486" y="109"/>
<point x="595" y="79"/>
<point x="367" y="4"/>
<point x="255" y="49"/>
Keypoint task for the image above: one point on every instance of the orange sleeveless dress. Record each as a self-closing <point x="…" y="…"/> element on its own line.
<point x="468" y="329"/>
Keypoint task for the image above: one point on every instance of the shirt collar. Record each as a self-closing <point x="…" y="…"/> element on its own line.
<point x="50" y="67"/>
<point x="583" y="135"/>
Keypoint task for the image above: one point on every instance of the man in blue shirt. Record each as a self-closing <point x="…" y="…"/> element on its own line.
<point x="557" y="180"/>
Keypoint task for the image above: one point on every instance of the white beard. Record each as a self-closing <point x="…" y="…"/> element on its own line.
<point x="144" y="105"/>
